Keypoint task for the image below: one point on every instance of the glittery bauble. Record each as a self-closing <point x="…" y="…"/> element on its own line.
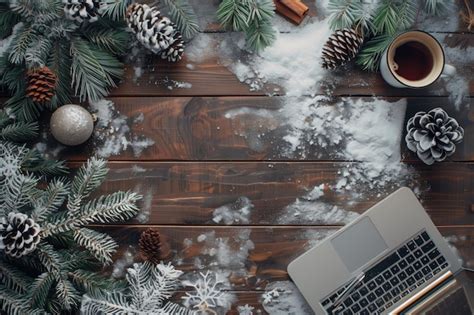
<point x="71" y="124"/>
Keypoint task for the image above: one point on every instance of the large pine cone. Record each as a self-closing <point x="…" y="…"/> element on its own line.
<point x="433" y="135"/>
<point x="82" y="10"/>
<point x="19" y="234"/>
<point x="341" y="47"/>
<point x="41" y="84"/>
<point x="156" y="32"/>
<point x="150" y="245"/>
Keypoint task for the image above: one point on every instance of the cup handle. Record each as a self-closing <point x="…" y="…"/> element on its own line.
<point x="448" y="71"/>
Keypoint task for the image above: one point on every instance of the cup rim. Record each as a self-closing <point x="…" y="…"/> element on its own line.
<point x="395" y="76"/>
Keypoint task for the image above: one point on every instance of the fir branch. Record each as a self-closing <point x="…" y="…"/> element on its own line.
<point x="89" y="177"/>
<point x="16" y="131"/>
<point x="370" y="54"/>
<point x="115" y="9"/>
<point x="39" y="290"/>
<point x="234" y="14"/>
<point x="50" y="259"/>
<point x="13" y="303"/>
<point x="17" y="192"/>
<point x="13" y="278"/>
<point x="112" y="40"/>
<point x="60" y="63"/>
<point x="259" y="36"/>
<point x="52" y="199"/>
<point x="93" y="283"/>
<point x="36" y="55"/>
<point x="68" y="296"/>
<point x="8" y="19"/>
<point x="33" y="162"/>
<point x="344" y="13"/>
<point x="183" y="15"/>
<point x="22" y="107"/>
<point x="93" y="70"/>
<point x="20" y="43"/>
<point x="436" y="7"/>
<point x="386" y="18"/>
<point x="11" y="75"/>
<point x="101" y="245"/>
<point x="406" y="14"/>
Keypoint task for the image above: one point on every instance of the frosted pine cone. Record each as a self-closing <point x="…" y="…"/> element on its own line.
<point x="82" y="10"/>
<point x="19" y="235"/>
<point x="341" y="47"/>
<point x="150" y="245"/>
<point x="157" y="33"/>
<point x="41" y="84"/>
<point x="433" y="135"/>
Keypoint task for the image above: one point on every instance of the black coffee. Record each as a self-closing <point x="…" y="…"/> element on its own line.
<point x="414" y="61"/>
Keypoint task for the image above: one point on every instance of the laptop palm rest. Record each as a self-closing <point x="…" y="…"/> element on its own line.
<point x="359" y="244"/>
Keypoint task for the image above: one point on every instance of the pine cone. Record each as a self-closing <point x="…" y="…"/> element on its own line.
<point x="433" y="135"/>
<point x="150" y="245"/>
<point x="19" y="234"/>
<point x="341" y="47"/>
<point x="82" y="10"/>
<point x="41" y="84"/>
<point x="154" y="31"/>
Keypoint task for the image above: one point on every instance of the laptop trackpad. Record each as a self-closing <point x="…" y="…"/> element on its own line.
<point x="359" y="244"/>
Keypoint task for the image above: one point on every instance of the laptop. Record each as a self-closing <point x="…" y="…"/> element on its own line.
<point x="390" y="260"/>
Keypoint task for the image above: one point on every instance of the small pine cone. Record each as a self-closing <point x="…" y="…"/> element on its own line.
<point x="41" y="84"/>
<point x="150" y="245"/>
<point x="341" y="47"/>
<point x="82" y="10"/>
<point x="154" y="31"/>
<point x="433" y="136"/>
<point x="19" y="235"/>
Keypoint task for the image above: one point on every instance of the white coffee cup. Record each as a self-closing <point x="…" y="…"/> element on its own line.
<point x="414" y="59"/>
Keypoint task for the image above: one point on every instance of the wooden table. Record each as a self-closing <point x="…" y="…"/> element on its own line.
<point x="199" y="163"/>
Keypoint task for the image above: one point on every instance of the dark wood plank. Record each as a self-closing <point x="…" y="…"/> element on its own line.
<point x="189" y="193"/>
<point x="200" y="129"/>
<point x="208" y="77"/>
<point x="255" y="255"/>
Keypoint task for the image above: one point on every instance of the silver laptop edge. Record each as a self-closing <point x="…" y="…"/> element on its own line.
<point x="383" y="228"/>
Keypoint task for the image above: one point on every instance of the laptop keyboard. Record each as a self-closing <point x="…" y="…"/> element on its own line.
<point x="401" y="272"/>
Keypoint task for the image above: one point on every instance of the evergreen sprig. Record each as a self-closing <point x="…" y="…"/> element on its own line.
<point x="84" y="57"/>
<point x="53" y="278"/>
<point x="253" y="17"/>
<point x="183" y="15"/>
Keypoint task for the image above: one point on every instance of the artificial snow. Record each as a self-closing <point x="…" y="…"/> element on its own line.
<point x="121" y="265"/>
<point x="283" y="298"/>
<point x="234" y="213"/>
<point x="113" y="133"/>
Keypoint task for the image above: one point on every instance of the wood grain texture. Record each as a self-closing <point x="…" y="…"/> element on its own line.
<point x="273" y="248"/>
<point x="200" y="129"/>
<point x="188" y="193"/>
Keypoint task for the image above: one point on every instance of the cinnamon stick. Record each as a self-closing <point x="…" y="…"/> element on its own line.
<point x="292" y="10"/>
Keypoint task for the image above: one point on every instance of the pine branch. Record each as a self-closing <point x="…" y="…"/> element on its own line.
<point x="16" y="131"/>
<point x="93" y="70"/>
<point x="259" y="36"/>
<point x="21" y="41"/>
<point x="68" y="296"/>
<point x="234" y="14"/>
<point x="12" y="76"/>
<point x="406" y="14"/>
<point x="60" y="64"/>
<point x="22" y="107"/>
<point x="89" y="177"/>
<point x="370" y="54"/>
<point x="101" y="245"/>
<point x="8" y="19"/>
<point x="36" y="55"/>
<point x="386" y="18"/>
<point x="50" y="259"/>
<point x="105" y="303"/>
<point x="115" y="9"/>
<point x="13" y="303"/>
<point x="33" y="162"/>
<point x="344" y="13"/>
<point x="39" y="290"/>
<point x="183" y="15"/>
<point x="13" y="278"/>
<point x="114" y="41"/>
<point x="52" y="199"/>
<point x="18" y="191"/>
<point x="93" y="283"/>
<point x="436" y="7"/>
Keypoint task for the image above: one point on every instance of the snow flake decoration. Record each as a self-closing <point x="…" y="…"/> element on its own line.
<point x="149" y="289"/>
<point x="245" y="309"/>
<point x="206" y="293"/>
<point x="11" y="157"/>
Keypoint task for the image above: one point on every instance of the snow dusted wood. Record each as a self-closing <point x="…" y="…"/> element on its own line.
<point x="213" y="193"/>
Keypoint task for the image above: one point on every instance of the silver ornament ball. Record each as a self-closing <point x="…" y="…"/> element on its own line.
<point x="71" y="124"/>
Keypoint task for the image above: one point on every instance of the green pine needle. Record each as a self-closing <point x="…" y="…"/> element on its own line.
<point x="436" y="7"/>
<point x="183" y="15"/>
<point x="112" y="40"/>
<point x="260" y="36"/>
<point x="114" y="9"/>
<point x="39" y="290"/>
<point x="93" y="70"/>
<point x="234" y="14"/>
<point x="101" y="245"/>
<point x="370" y="54"/>
<point x="386" y="18"/>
